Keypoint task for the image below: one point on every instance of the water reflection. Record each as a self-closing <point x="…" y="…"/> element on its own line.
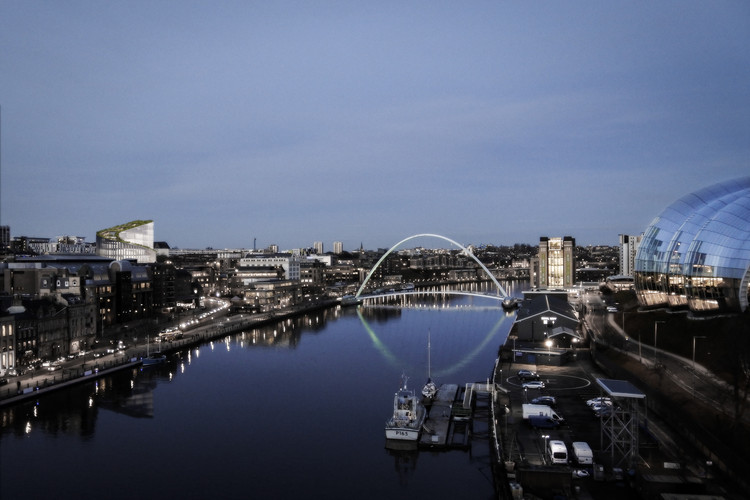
<point x="131" y="393"/>
<point x="460" y="363"/>
<point x="405" y="455"/>
<point x="138" y="402"/>
<point x="271" y="396"/>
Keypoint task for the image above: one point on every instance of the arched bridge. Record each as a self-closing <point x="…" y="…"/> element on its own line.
<point x="429" y="291"/>
<point x="500" y="295"/>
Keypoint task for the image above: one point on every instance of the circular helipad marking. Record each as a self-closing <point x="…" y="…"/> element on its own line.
<point x="554" y="382"/>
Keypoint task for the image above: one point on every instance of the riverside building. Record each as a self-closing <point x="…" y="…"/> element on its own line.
<point x="628" y="250"/>
<point x="132" y="241"/>
<point x="555" y="265"/>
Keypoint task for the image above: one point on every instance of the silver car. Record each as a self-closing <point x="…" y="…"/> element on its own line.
<point x="534" y="384"/>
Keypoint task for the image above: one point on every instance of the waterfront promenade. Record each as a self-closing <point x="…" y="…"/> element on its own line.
<point x="83" y="369"/>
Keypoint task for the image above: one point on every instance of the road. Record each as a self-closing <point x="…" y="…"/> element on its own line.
<point x="692" y="377"/>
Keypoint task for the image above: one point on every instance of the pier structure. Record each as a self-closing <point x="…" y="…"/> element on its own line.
<point x="437" y="424"/>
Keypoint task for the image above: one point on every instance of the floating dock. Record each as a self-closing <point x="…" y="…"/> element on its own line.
<point x="450" y="417"/>
<point x="437" y="426"/>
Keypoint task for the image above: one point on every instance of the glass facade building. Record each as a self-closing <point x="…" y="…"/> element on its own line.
<point x="131" y="241"/>
<point x="696" y="253"/>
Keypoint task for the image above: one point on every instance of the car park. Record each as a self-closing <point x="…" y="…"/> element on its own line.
<point x="527" y="375"/>
<point x="534" y="384"/>
<point x="544" y="400"/>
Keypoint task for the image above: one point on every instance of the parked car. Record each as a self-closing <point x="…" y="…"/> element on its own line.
<point x="534" y="384"/>
<point x="544" y="400"/>
<point x="599" y="400"/>
<point x="600" y="406"/>
<point x="528" y="375"/>
<point x="3" y="381"/>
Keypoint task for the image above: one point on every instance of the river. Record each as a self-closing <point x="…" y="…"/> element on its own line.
<point x="290" y="410"/>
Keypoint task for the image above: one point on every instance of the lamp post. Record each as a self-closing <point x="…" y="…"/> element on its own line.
<point x="656" y="324"/>
<point x="695" y="337"/>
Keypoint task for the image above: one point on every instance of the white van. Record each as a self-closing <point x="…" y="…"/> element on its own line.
<point x="530" y="410"/>
<point x="558" y="453"/>
<point x="582" y="452"/>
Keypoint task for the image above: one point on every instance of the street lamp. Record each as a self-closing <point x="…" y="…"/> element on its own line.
<point x="695" y="337"/>
<point x="656" y="324"/>
<point x="513" y="357"/>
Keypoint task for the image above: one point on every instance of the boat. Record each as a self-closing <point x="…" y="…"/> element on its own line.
<point x="430" y="388"/>
<point x="153" y="359"/>
<point x="408" y="415"/>
<point x="510" y="303"/>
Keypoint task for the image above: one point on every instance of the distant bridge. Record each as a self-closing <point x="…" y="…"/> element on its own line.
<point x="501" y="294"/>
<point x="430" y="291"/>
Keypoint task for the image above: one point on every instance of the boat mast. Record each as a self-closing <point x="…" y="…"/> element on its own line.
<point x="429" y="366"/>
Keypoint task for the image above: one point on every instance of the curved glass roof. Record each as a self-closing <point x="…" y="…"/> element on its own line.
<point x="706" y="233"/>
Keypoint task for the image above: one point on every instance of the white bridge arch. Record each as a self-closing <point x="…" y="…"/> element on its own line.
<point x="500" y="290"/>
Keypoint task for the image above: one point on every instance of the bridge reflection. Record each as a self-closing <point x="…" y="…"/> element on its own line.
<point x="488" y="340"/>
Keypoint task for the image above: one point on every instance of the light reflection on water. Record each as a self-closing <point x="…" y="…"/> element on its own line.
<point x="286" y="410"/>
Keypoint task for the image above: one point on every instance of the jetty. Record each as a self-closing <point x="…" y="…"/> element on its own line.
<point x="451" y="415"/>
<point x="446" y="422"/>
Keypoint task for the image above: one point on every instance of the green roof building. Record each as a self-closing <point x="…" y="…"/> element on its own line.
<point x="131" y="241"/>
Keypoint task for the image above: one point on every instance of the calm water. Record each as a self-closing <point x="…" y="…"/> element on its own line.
<point x="294" y="410"/>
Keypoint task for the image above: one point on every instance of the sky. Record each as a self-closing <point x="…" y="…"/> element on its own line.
<point x="488" y="122"/>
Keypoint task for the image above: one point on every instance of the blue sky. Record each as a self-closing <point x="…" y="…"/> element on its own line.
<point x="367" y="122"/>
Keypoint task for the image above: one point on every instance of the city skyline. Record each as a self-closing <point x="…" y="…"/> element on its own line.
<point x="289" y="123"/>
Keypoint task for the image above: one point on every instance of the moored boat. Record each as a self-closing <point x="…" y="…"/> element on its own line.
<point x="408" y="415"/>
<point x="154" y="359"/>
